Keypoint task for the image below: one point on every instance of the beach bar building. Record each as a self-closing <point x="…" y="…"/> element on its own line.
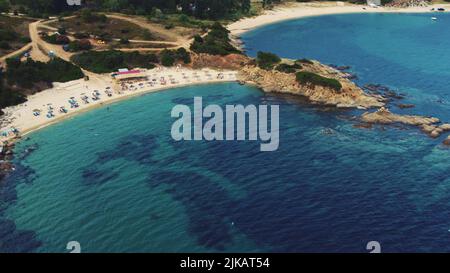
<point x="374" y="3"/>
<point x="125" y="75"/>
<point x="135" y="74"/>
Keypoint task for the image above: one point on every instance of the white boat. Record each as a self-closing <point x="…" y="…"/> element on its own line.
<point x="434" y="18"/>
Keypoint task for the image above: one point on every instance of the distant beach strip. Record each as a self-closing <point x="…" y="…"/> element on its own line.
<point x="299" y="10"/>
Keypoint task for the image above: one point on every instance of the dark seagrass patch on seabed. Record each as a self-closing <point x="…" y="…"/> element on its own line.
<point x="13" y="240"/>
<point x="137" y="148"/>
<point x="207" y="205"/>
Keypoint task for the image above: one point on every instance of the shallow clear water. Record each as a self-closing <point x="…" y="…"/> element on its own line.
<point x="114" y="180"/>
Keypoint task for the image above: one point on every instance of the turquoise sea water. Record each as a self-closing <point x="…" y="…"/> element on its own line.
<point x="114" y="180"/>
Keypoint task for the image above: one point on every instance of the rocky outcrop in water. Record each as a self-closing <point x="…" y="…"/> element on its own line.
<point x="428" y="125"/>
<point x="350" y="95"/>
<point x="383" y="91"/>
<point x="6" y="155"/>
<point x="384" y="116"/>
<point x="446" y="142"/>
<point x="405" y="106"/>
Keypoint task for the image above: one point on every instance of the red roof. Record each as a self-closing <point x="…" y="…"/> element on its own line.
<point x="129" y="72"/>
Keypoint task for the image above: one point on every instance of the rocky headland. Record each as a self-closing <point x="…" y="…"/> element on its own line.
<point x="349" y="95"/>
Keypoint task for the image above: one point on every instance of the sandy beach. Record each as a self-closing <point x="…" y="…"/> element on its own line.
<point x="22" y="117"/>
<point x="291" y="11"/>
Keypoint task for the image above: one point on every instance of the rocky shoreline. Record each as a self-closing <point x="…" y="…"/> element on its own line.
<point x="6" y="155"/>
<point x="350" y="95"/>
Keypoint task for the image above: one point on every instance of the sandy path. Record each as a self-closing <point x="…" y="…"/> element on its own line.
<point x="37" y="48"/>
<point x="174" y="41"/>
<point x="17" y="52"/>
<point x="142" y="22"/>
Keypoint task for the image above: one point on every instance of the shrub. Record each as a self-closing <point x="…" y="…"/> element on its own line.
<point x="7" y="35"/>
<point x="148" y="36"/>
<point x="184" y="19"/>
<point x="169" y="26"/>
<point x="157" y="14"/>
<point x="81" y="35"/>
<point x="9" y="97"/>
<point x="57" y="39"/>
<point x="304" y="61"/>
<point x="62" y="39"/>
<point x="85" y="44"/>
<point x="5" y="45"/>
<point x="109" y="61"/>
<point x="170" y="57"/>
<point x="105" y="36"/>
<point x="216" y="42"/>
<point x="79" y="45"/>
<point x="313" y="79"/>
<point x="25" y="40"/>
<point x="286" y="68"/>
<point x="89" y="17"/>
<point x="124" y="41"/>
<point x="27" y="73"/>
<point x="266" y="60"/>
<point x="183" y="55"/>
<point x="167" y="58"/>
<point x="62" y="31"/>
<point x="4" y="5"/>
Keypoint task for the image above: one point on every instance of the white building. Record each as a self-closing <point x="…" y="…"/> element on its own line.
<point x="374" y="3"/>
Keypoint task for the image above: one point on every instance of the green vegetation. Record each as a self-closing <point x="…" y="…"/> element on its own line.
<point x="124" y="41"/>
<point x="56" y="39"/>
<point x="112" y="60"/>
<point x="4" y="5"/>
<point x="88" y="16"/>
<point x="26" y="74"/>
<point x="211" y="9"/>
<point x="8" y="96"/>
<point x="179" y="20"/>
<point x="24" y="77"/>
<point x="88" y="23"/>
<point x="4" y="45"/>
<point x="8" y="34"/>
<point x="170" y="57"/>
<point x="313" y="79"/>
<point x="13" y="34"/>
<point x="266" y="60"/>
<point x="288" y="68"/>
<point x="79" y="45"/>
<point x="216" y="42"/>
<point x="304" y="61"/>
